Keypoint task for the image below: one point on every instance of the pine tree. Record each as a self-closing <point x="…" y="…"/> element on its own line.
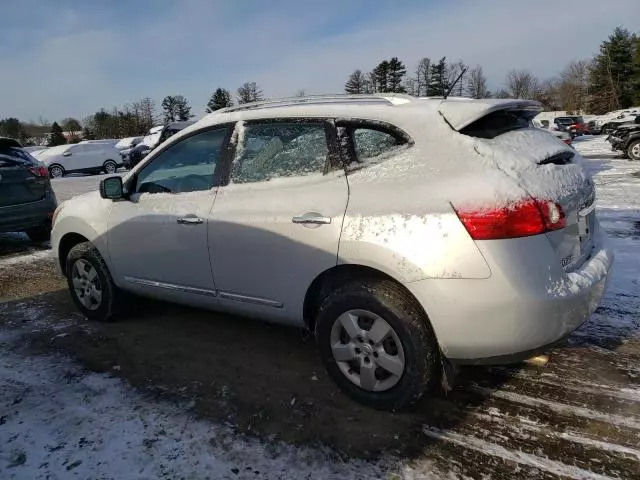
<point x="357" y="83"/>
<point x="380" y="77"/>
<point x="12" y="127"/>
<point x="221" y="98"/>
<point x="612" y="73"/>
<point x="438" y="82"/>
<point x="176" y="108"/>
<point x="636" y="71"/>
<point x="249" y="92"/>
<point x="395" y="76"/>
<point x="56" y="137"/>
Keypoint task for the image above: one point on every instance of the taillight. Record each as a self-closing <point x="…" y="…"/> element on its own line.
<point x="39" y="171"/>
<point x="530" y="217"/>
<point x="567" y="141"/>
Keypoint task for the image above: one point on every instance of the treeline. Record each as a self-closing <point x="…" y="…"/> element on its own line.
<point x="608" y="81"/>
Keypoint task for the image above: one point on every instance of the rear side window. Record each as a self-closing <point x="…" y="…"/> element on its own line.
<point x="365" y="143"/>
<point x="273" y="150"/>
<point x="497" y="123"/>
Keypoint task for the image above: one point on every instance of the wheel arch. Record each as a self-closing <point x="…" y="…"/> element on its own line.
<point x="67" y="242"/>
<point x="334" y="278"/>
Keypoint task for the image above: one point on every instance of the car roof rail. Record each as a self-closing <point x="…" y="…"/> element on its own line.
<point x="380" y="98"/>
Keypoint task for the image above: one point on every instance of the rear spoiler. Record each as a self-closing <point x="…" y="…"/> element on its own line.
<point x="460" y="113"/>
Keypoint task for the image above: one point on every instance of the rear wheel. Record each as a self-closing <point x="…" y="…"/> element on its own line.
<point x="39" y="234"/>
<point x="377" y="344"/>
<point x="91" y="285"/>
<point x="56" y="171"/>
<point x="110" y="166"/>
<point x="633" y="150"/>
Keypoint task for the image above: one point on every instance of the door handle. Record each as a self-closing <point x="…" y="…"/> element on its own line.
<point x="311" y="218"/>
<point x="190" y="220"/>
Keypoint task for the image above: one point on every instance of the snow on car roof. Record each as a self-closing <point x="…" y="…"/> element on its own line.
<point x="401" y="110"/>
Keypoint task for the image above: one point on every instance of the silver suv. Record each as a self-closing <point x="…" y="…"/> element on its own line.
<point x="405" y="233"/>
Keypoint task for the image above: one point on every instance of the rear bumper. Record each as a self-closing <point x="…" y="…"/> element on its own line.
<point x="17" y="218"/>
<point x="524" y="306"/>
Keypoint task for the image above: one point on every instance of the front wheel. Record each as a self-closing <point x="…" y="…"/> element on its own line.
<point x="377" y="344"/>
<point x="110" y="166"/>
<point x="633" y="150"/>
<point x="91" y="285"/>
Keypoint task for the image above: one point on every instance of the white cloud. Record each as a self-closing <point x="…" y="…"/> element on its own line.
<point x="195" y="46"/>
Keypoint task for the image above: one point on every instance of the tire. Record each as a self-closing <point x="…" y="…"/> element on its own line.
<point x="40" y="234"/>
<point x="110" y="166"/>
<point x="82" y="259"/>
<point x="56" y="171"/>
<point x="633" y="150"/>
<point x="415" y="359"/>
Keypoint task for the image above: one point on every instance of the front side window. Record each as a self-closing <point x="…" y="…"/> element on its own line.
<point x="273" y="150"/>
<point x="186" y="166"/>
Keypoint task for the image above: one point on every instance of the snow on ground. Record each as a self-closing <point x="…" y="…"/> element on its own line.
<point x="618" y="209"/>
<point x="64" y="423"/>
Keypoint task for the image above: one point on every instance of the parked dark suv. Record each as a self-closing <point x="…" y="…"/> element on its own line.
<point x="27" y="201"/>
<point x="626" y="138"/>
<point x="131" y="157"/>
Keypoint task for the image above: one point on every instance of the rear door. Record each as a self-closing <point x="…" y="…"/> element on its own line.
<point x="20" y="180"/>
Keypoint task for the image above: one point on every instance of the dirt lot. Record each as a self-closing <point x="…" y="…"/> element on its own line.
<point x="580" y="412"/>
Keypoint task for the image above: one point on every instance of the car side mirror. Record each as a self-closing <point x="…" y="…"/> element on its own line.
<point x="112" y="188"/>
<point x="66" y="154"/>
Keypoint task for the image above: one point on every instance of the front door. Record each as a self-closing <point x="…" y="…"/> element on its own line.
<point x="276" y="225"/>
<point x="158" y="240"/>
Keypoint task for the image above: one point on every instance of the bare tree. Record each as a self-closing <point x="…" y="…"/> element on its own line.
<point x="356" y="83"/>
<point x="423" y="76"/>
<point x="573" y="86"/>
<point x="547" y="93"/>
<point x="521" y="84"/>
<point x="452" y="73"/>
<point x="249" y="92"/>
<point x="477" y="83"/>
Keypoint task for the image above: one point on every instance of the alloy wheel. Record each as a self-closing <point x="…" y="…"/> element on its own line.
<point x="86" y="284"/>
<point x="56" y="172"/>
<point x="367" y="350"/>
<point x="110" y="167"/>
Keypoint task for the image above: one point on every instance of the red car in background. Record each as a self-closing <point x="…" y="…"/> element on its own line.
<point x="573" y="125"/>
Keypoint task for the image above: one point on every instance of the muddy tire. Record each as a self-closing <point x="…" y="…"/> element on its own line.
<point x="91" y="285"/>
<point x="377" y="344"/>
<point x="633" y="150"/>
<point x="39" y="234"/>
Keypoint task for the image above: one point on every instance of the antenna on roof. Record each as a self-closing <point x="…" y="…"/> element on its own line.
<point x="464" y="70"/>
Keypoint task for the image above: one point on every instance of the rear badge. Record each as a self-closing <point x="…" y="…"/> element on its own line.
<point x="566" y="261"/>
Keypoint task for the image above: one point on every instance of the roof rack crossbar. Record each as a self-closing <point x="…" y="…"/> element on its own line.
<point x="316" y="100"/>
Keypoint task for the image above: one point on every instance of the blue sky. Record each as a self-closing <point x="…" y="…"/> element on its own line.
<point x="71" y="57"/>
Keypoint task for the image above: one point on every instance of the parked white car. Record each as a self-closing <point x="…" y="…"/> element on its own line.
<point x="407" y="234"/>
<point x="83" y="157"/>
